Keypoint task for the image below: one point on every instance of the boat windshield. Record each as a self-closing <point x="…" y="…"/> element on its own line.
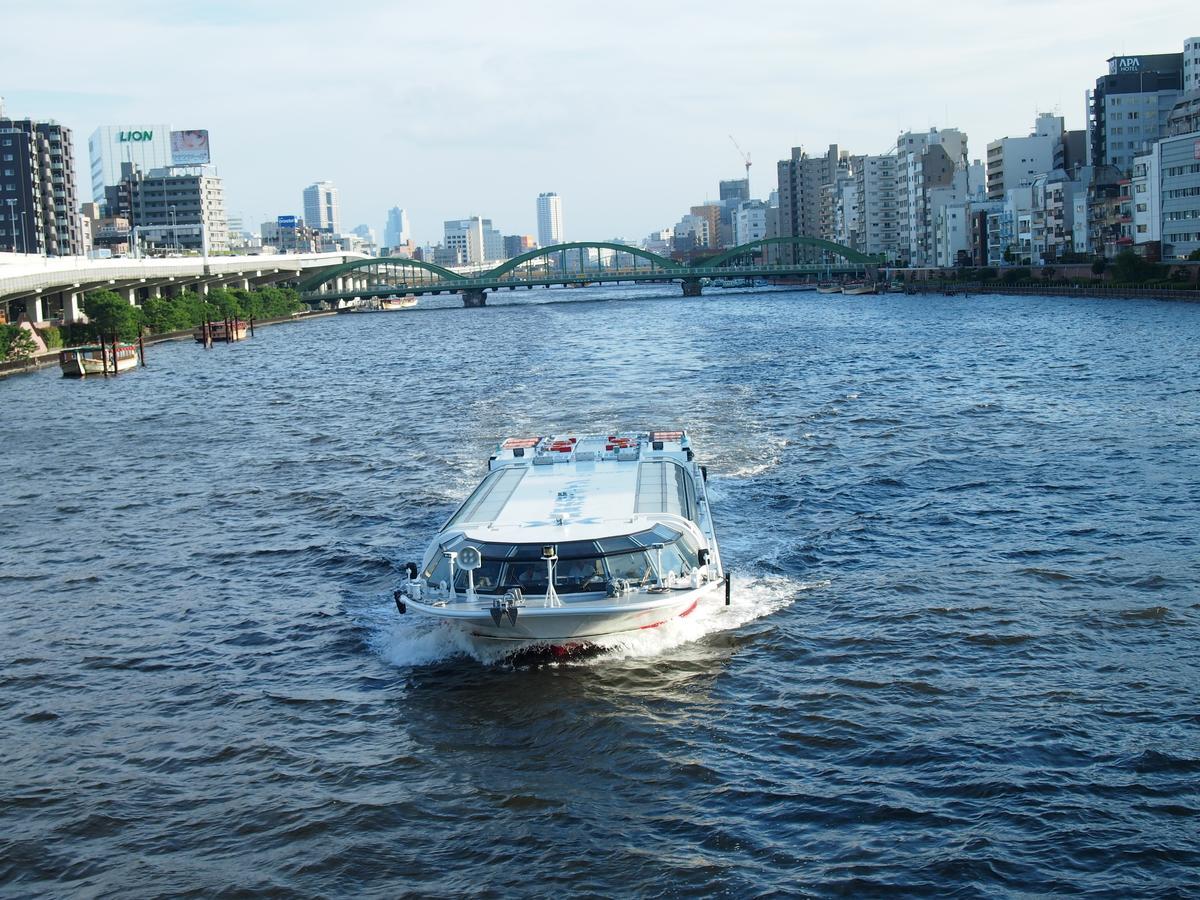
<point x="581" y="567"/>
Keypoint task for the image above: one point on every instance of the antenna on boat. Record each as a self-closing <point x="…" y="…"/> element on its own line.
<point x="451" y="555"/>
<point x="550" y="555"/>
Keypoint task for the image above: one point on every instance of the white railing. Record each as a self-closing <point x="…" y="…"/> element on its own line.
<point x="22" y="273"/>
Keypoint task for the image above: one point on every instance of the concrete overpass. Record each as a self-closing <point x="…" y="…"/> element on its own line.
<point x="53" y="287"/>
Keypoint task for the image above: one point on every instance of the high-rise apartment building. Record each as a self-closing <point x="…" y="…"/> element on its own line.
<point x="146" y="146"/>
<point x="321" y="210"/>
<point x="875" y="196"/>
<point x="550" y="221"/>
<point x="931" y="172"/>
<point x="800" y="181"/>
<point x="39" y="210"/>
<point x="395" y="233"/>
<point x="1128" y="110"/>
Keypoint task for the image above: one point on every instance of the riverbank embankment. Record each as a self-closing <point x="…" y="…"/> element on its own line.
<point x="50" y="357"/>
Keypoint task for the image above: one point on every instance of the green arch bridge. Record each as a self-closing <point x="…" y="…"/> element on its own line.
<point x="571" y="264"/>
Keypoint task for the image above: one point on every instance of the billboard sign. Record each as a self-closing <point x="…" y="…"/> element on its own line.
<point x="285" y="221"/>
<point x="1119" y="65"/>
<point x="189" y="148"/>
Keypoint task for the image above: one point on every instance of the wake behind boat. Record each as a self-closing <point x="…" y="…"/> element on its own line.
<point x="569" y="538"/>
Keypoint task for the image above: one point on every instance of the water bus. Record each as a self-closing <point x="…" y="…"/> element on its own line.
<point x="574" y="537"/>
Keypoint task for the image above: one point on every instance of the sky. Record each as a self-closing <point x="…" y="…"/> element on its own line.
<point x="623" y="108"/>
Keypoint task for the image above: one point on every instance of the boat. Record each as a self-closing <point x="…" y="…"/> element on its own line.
<point x="218" y="333"/>
<point x="389" y="304"/>
<point x="570" y="538"/>
<point x="92" y="359"/>
<point x="858" y="287"/>
<point x="830" y="287"/>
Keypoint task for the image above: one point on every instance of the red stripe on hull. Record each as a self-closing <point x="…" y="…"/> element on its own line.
<point x="681" y="615"/>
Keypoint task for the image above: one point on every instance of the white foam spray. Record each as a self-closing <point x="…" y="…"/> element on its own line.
<point x="417" y="640"/>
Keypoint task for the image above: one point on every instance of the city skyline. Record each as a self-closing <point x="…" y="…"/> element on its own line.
<point x="664" y="140"/>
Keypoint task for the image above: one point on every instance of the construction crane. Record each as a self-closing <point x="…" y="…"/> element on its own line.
<point x="746" y="159"/>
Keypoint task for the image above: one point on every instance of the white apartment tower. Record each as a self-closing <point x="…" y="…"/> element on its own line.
<point x="875" y="196"/>
<point x="931" y="172"/>
<point x="321" y="209"/>
<point x="550" y="224"/>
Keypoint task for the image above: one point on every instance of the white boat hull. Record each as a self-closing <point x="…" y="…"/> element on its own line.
<point x="574" y="621"/>
<point x="77" y="365"/>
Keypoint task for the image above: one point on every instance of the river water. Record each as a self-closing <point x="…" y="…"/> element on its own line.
<point x="962" y="658"/>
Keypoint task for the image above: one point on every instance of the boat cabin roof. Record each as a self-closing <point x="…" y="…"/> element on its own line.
<point x="580" y="487"/>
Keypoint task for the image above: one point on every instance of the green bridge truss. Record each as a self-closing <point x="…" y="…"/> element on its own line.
<point x="532" y="267"/>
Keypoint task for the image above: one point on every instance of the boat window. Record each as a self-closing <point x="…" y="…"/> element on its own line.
<point x="582" y="566"/>
<point x="634" y="567"/>
<point x="664" y="486"/>
<point x="487" y="500"/>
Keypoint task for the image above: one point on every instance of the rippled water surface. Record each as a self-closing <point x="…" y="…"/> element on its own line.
<point x="962" y="657"/>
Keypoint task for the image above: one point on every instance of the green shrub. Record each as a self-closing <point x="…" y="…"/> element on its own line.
<point x="16" y="343"/>
<point x="52" y="336"/>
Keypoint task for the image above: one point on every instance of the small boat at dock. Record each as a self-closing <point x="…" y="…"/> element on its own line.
<point x="830" y="287"/>
<point x="92" y="359"/>
<point x="219" y="333"/>
<point x="390" y="304"/>
<point x="859" y="287"/>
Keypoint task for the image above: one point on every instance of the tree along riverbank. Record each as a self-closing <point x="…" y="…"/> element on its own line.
<point x="112" y="318"/>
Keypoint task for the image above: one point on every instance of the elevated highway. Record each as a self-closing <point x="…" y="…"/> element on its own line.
<point x="46" y="288"/>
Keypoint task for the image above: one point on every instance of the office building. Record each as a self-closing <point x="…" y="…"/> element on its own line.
<point x="749" y="222"/>
<point x="1014" y="162"/>
<point x="1129" y="107"/>
<point x="395" y="233"/>
<point x="38" y="204"/>
<point x="178" y="208"/>
<point x="550" y="220"/>
<point x="146" y="146"/>
<point x="516" y="244"/>
<point x="734" y="192"/>
<point x="471" y="241"/>
<point x="1165" y="193"/>
<point x="711" y="214"/>
<point x="321" y="210"/>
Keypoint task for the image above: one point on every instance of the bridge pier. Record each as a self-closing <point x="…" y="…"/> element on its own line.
<point x="691" y="287"/>
<point x="71" y="311"/>
<point x="472" y="299"/>
<point x="35" y="309"/>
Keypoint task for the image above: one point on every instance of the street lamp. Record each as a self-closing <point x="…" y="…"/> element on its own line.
<point x="171" y="213"/>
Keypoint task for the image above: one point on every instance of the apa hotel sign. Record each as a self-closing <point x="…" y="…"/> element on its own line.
<point x="134" y="136"/>
<point x="1119" y="65"/>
